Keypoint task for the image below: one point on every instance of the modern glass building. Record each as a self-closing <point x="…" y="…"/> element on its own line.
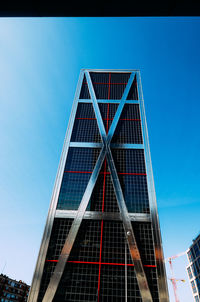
<point x="193" y="269"/>
<point x="102" y="237"/>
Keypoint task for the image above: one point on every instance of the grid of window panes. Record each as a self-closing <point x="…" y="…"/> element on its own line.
<point x="85" y="127"/>
<point x="100" y="262"/>
<point x="109" y="85"/>
<point x="189" y="272"/>
<point x="107" y="111"/>
<point x="103" y="197"/>
<point x="78" y="168"/>
<point x="194" y="268"/>
<point x="128" y="130"/>
<point x="193" y="287"/>
<point x="196" y="299"/>
<point x="198" y="283"/>
<point x="130" y="165"/>
<point x="59" y="233"/>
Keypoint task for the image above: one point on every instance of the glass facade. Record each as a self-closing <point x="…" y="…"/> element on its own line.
<point x="193" y="268"/>
<point x="108" y="242"/>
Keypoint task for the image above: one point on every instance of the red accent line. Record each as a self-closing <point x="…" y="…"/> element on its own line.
<point x="101" y="240"/>
<point x="109" y="92"/>
<point x="104" y="184"/>
<point x="104" y="263"/>
<point x="99" y="277"/>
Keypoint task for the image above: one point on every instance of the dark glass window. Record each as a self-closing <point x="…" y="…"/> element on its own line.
<point x="133" y="93"/>
<point x="84" y="94"/>
<point x="79" y="283"/>
<point x="198" y="283"/>
<point x="196" y="299"/>
<point x="87" y="244"/>
<point x="196" y="249"/>
<point x="59" y="233"/>
<point x="109" y="85"/>
<point x="129" y="161"/>
<point x="103" y="198"/>
<point x="135" y="192"/>
<point x="144" y="239"/>
<point x="192" y="254"/>
<point x="189" y="272"/>
<point x="78" y="169"/>
<point x="194" y="269"/>
<point x="189" y="256"/>
<point x="85" y="127"/>
<point x="129" y="129"/>
<point x="193" y="287"/>
<point x="107" y="112"/>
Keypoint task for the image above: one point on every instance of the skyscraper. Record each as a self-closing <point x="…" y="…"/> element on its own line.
<point x="102" y="237"/>
<point x="193" y="269"/>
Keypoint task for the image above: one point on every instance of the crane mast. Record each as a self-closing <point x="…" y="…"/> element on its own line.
<point x="173" y="280"/>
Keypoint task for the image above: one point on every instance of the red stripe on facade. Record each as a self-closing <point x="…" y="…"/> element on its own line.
<point x="103" y="199"/>
<point x="101" y="240"/>
<point x="99" y="277"/>
<point x="103" y="263"/>
<point x="109" y="91"/>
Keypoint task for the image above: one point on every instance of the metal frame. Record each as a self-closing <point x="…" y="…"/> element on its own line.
<point x="82" y="213"/>
<point x="139" y="217"/>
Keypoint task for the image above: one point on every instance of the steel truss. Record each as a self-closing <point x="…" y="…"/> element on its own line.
<point x="123" y="215"/>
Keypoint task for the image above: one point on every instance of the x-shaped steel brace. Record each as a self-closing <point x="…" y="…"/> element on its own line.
<point x="105" y="152"/>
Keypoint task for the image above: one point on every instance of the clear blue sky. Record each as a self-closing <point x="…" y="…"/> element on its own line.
<point x="40" y="61"/>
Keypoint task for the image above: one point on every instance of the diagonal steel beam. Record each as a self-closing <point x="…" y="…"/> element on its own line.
<point x="129" y="233"/>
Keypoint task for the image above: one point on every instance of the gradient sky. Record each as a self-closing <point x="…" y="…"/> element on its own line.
<point x="40" y="61"/>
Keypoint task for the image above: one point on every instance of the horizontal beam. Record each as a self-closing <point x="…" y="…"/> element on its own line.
<point x="99" y="145"/>
<point x="102" y="215"/>
<point x="108" y="101"/>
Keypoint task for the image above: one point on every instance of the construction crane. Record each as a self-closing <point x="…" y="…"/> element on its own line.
<point x="174" y="280"/>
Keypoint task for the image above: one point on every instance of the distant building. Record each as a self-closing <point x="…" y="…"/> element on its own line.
<point x="193" y="268"/>
<point x="12" y="290"/>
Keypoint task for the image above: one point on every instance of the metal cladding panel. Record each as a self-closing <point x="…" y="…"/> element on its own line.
<point x="105" y="172"/>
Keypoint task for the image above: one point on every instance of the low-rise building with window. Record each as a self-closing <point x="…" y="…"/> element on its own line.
<point x="12" y="290"/>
